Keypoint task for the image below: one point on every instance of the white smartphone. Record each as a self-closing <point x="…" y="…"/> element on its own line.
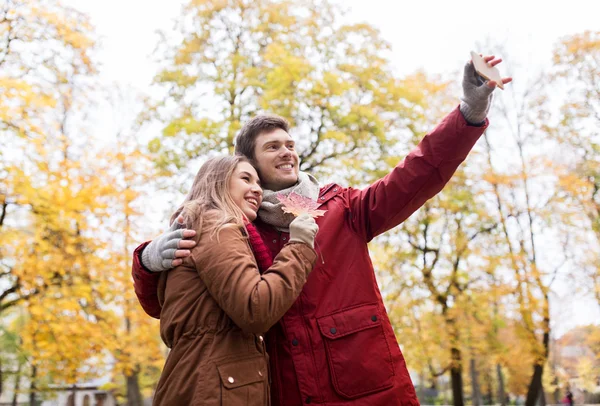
<point x="488" y="72"/>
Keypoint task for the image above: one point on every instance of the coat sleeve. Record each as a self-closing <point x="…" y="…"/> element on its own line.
<point x="145" y="284"/>
<point x="420" y="176"/>
<point x="253" y="301"/>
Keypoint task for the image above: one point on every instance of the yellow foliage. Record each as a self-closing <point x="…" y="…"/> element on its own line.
<point x="66" y="239"/>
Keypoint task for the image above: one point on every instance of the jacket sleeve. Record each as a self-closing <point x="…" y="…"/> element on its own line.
<point x="253" y="301"/>
<point x="145" y="284"/>
<point x="420" y="176"/>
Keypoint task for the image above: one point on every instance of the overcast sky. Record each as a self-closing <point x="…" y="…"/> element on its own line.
<point x="434" y="35"/>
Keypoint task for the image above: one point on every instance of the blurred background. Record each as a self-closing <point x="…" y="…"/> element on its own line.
<point x="108" y="109"/>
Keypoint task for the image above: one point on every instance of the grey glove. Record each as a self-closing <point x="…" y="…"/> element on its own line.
<point x="159" y="254"/>
<point x="477" y="96"/>
<point x="304" y="229"/>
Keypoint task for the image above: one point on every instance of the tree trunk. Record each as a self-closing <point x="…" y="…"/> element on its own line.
<point x="17" y="385"/>
<point x="501" y="394"/>
<point x="488" y="398"/>
<point x="556" y="394"/>
<point x="32" y="388"/>
<point x="134" y="394"/>
<point x="490" y="393"/>
<point x="421" y="388"/>
<point x="74" y="394"/>
<point x="542" y="399"/>
<point x="456" y="378"/>
<point x="476" y="395"/>
<point x="535" y="386"/>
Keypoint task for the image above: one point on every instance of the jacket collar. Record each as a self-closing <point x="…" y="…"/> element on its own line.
<point x="327" y="192"/>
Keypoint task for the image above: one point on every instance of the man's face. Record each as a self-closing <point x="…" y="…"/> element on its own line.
<point x="276" y="159"/>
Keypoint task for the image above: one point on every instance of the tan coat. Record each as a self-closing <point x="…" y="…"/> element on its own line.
<point x="216" y="305"/>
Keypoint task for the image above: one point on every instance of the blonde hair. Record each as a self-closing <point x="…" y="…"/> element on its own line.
<point x="210" y="193"/>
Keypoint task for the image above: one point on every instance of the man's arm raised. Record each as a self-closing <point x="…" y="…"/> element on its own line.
<point x="427" y="168"/>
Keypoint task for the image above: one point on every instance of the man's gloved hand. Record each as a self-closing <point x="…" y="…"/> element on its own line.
<point x="304" y="229"/>
<point x="167" y="251"/>
<point x="477" y="92"/>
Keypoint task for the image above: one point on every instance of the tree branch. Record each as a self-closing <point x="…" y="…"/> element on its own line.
<point x="333" y="155"/>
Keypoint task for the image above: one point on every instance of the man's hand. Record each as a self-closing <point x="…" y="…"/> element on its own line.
<point x="168" y="250"/>
<point x="477" y="92"/>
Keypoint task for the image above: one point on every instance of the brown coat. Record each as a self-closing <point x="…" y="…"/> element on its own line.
<point x="216" y="305"/>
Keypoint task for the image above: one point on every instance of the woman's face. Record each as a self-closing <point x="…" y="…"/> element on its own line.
<point x="245" y="189"/>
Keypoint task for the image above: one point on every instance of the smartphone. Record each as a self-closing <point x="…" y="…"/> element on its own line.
<point x="489" y="73"/>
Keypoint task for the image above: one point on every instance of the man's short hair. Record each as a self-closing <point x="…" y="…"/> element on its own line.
<point x="245" y="141"/>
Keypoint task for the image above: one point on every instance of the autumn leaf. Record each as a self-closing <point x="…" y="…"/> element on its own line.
<point x="296" y="204"/>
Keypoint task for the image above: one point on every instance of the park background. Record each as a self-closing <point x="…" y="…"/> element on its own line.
<point x="107" y="110"/>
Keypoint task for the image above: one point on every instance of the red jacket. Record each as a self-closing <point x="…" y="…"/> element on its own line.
<point x="336" y="345"/>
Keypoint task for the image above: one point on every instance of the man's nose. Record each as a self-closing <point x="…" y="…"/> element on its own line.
<point x="285" y="152"/>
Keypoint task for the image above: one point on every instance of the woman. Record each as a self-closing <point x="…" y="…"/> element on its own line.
<point x="218" y="302"/>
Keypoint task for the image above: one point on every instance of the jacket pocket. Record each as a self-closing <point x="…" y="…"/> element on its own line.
<point x="244" y="382"/>
<point x="360" y="361"/>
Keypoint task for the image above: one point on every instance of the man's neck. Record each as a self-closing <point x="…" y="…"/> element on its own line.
<point x="277" y="188"/>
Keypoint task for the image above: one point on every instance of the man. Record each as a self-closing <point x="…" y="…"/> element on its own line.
<point x="336" y="345"/>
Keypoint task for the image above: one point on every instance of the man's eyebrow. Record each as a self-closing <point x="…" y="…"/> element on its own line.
<point x="278" y="142"/>
<point x="271" y="142"/>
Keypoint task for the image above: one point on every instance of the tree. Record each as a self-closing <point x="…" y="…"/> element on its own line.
<point x="12" y="357"/>
<point x="429" y="303"/>
<point x="44" y="53"/>
<point x="523" y="199"/>
<point x="444" y="237"/>
<point x="52" y="195"/>
<point x="128" y="169"/>
<point x="577" y="65"/>
<point x="61" y="266"/>
<point x="232" y="60"/>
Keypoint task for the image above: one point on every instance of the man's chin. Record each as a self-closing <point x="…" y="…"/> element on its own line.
<point x="287" y="182"/>
<point x="280" y="183"/>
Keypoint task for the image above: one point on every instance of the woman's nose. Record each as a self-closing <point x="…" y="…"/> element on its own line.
<point x="257" y="190"/>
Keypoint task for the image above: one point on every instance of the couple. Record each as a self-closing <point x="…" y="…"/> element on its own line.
<point x="329" y="339"/>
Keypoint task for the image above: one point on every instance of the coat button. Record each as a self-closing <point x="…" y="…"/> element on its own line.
<point x="374" y="318"/>
<point x="308" y="400"/>
<point x="274" y="241"/>
<point x="335" y="190"/>
<point x="259" y="373"/>
<point x="294" y="342"/>
<point x="284" y="238"/>
<point x="322" y="197"/>
<point x="230" y="380"/>
<point x="333" y="330"/>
